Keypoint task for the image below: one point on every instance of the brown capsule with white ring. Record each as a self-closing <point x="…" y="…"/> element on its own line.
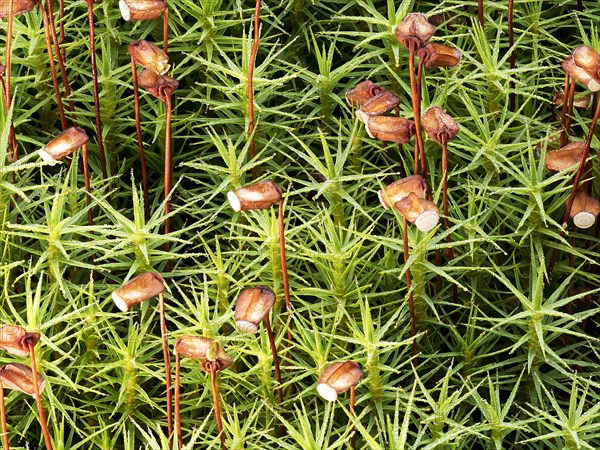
<point x="402" y="188"/>
<point x="337" y="378"/>
<point x="435" y="56"/>
<point x="587" y="58"/>
<point x="251" y="308"/>
<point x="141" y="9"/>
<point x="149" y="56"/>
<point x="580" y="74"/>
<point x="419" y="211"/>
<point x="390" y="129"/>
<point x="15" y="340"/>
<point x="380" y="104"/>
<point x="414" y="29"/>
<point x="565" y="158"/>
<point x="159" y="86"/>
<point x="63" y="145"/>
<point x="584" y="210"/>
<point x="193" y="347"/>
<point x="138" y="290"/>
<point x="19" y="377"/>
<point x="261" y="195"/>
<point x="362" y="93"/>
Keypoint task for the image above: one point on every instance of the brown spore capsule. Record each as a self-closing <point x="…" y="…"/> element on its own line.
<point x="158" y="86"/>
<point x="439" y="125"/>
<point x="19" y="377"/>
<point x="380" y="104"/>
<point x="414" y="29"/>
<point x="19" y="7"/>
<point x="565" y="158"/>
<point x="390" y="129"/>
<point x="337" y="378"/>
<point x="362" y="93"/>
<point x="584" y="210"/>
<point x="149" y="56"/>
<point x="435" y="56"/>
<point x="261" y="195"/>
<point x="64" y="144"/>
<point x="138" y="290"/>
<point x="193" y="347"/>
<point x="586" y="57"/>
<point x="419" y="211"/>
<point x="16" y="340"/>
<point x="252" y="306"/>
<point x="402" y="188"/>
<point x="580" y="74"/>
<point x="141" y="9"/>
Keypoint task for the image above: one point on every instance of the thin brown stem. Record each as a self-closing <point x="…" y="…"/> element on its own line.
<point x="445" y="181"/>
<point x="140" y="142"/>
<point x="275" y="360"/>
<point x="86" y="180"/>
<point x="251" y="64"/>
<point x="411" y="305"/>
<point x="60" y="59"/>
<point x="38" y="399"/>
<point x="419" y="93"/>
<point x="99" y="139"/>
<point x="563" y="113"/>
<point x="168" y="163"/>
<point x="61" y="110"/>
<point x="178" y="400"/>
<point x="3" y="419"/>
<point x="480" y="13"/>
<point x="61" y="27"/>
<point x="511" y="42"/>
<point x="166" y="29"/>
<point x="217" y="406"/>
<point x="352" y="401"/>
<point x="167" y="360"/>
<point x="284" y="271"/>
<point x="11" y="133"/>
<point x="580" y="5"/>
<point x="416" y="101"/>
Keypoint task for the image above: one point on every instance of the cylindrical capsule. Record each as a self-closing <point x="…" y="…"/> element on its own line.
<point x="584" y="210"/>
<point x="261" y="195"/>
<point x="19" y="377"/>
<point x="390" y="129"/>
<point x="401" y="188"/>
<point x="252" y="306"/>
<point x="419" y="211"/>
<point x="337" y="378"/>
<point x="141" y="9"/>
<point x="64" y="144"/>
<point x="149" y="56"/>
<point x="138" y="290"/>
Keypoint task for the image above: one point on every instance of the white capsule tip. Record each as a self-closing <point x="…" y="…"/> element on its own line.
<point x="364" y="118"/>
<point x="47" y="157"/>
<point x="584" y="220"/>
<point x="382" y="200"/>
<point x="125" y="12"/>
<point x="246" y="327"/>
<point x="593" y="85"/>
<point x="234" y="201"/>
<point x="120" y="302"/>
<point x="427" y="220"/>
<point x="327" y="392"/>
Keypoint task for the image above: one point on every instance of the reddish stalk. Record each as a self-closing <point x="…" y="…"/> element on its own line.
<point x="251" y="87"/>
<point x="38" y="399"/>
<point x="3" y="419"/>
<point x="61" y="110"/>
<point x="86" y="180"/>
<point x="416" y="102"/>
<point x="275" y="360"/>
<point x="168" y="164"/>
<point x="138" y="130"/>
<point x="284" y="271"/>
<point x="166" y="29"/>
<point x="60" y="59"/>
<point x="215" y="392"/>
<point x="165" y="348"/>
<point x="352" y="401"/>
<point x="480" y="12"/>
<point x="178" y="400"/>
<point x="100" y="140"/>
<point x="511" y="42"/>
<point x="61" y="26"/>
<point x="563" y="113"/>
<point x="411" y="304"/>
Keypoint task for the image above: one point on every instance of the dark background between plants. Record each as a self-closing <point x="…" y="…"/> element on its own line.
<point x="512" y="364"/>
